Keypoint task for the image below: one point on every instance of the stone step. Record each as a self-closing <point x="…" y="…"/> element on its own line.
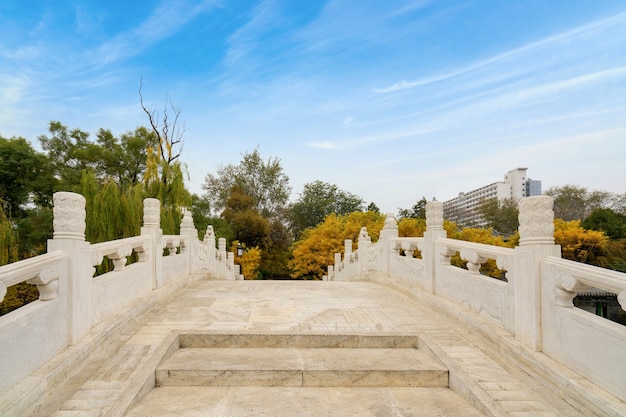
<point x="301" y="367"/>
<point x="306" y="402"/>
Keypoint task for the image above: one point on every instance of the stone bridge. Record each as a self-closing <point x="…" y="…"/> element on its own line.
<point x="393" y="330"/>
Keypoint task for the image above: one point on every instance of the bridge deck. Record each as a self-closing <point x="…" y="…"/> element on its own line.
<point x="116" y="380"/>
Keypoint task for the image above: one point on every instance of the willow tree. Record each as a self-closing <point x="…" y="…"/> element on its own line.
<point x="8" y="240"/>
<point x="112" y="212"/>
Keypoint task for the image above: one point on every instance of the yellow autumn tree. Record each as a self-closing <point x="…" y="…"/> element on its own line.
<point x="250" y="261"/>
<point x="317" y="246"/>
<point x="411" y="227"/>
<point x="579" y="244"/>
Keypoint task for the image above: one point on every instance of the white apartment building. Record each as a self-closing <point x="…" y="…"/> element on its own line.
<point x="464" y="208"/>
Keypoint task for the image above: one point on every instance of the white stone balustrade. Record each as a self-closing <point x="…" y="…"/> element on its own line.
<point x="174" y="243"/>
<point x="44" y="271"/>
<point x="119" y="250"/>
<point x="475" y="254"/>
<point x="71" y="301"/>
<point x="534" y="304"/>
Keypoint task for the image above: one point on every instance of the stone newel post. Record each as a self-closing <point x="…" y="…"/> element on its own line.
<point x="209" y="241"/>
<point x="151" y="227"/>
<point x="364" y="243"/>
<point x="536" y="218"/>
<point x="389" y="232"/>
<point x="69" y="236"/>
<point x="434" y="231"/>
<point x="188" y="230"/>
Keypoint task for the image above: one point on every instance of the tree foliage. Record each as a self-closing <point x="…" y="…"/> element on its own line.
<point x="265" y="181"/>
<point x="8" y="240"/>
<point x="123" y="159"/>
<point x="24" y="177"/>
<point x="248" y="226"/>
<point x="578" y="244"/>
<point x="572" y="202"/>
<point x="606" y="220"/>
<point x="249" y="262"/>
<point x="501" y="215"/>
<point x="70" y="152"/>
<point x="372" y="207"/>
<point x="317" y="247"/>
<point x="318" y="200"/>
<point x="418" y="211"/>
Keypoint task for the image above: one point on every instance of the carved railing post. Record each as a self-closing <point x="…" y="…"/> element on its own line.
<point x="365" y="241"/>
<point x="152" y="227"/>
<point x="389" y="232"/>
<point x="209" y="242"/>
<point x="221" y="258"/>
<point x="69" y="236"/>
<point x="434" y="231"/>
<point x="536" y="218"/>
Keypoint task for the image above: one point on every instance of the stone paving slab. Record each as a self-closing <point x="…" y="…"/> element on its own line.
<point x="121" y="383"/>
<point x="302" y="402"/>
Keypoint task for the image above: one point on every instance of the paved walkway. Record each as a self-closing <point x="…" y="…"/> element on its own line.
<point x="117" y="381"/>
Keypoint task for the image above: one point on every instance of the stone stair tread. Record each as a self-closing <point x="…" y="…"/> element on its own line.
<point x="301" y="367"/>
<point x="304" y="402"/>
<point x="390" y="359"/>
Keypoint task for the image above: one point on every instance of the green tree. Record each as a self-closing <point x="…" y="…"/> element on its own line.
<point x="8" y="240"/>
<point x="318" y="200"/>
<point x="372" y="207"/>
<point x="572" y="202"/>
<point x="501" y="215"/>
<point x="276" y="254"/>
<point x="124" y="159"/>
<point x="24" y="177"/>
<point x="70" y="152"/>
<point x="248" y="226"/>
<point x="34" y="229"/>
<point x="418" y="211"/>
<point x="618" y="203"/>
<point x="265" y="181"/>
<point x="606" y="220"/>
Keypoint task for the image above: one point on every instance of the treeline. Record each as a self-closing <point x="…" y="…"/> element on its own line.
<point x="246" y="203"/>
<point x="599" y="238"/>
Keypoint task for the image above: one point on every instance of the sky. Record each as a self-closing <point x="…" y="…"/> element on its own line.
<point x="390" y="100"/>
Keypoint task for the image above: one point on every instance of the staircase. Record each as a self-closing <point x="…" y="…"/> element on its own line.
<point x="304" y="375"/>
<point x="310" y="364"/>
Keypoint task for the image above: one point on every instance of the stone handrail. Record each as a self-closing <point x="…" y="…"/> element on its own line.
<point x="118" y="250"/>
<point x="407" y="244"/>
<point x="475" y="253"/>
<point x="579" y="277"/>
<point x="171" y="242"/>
<point x="41" y="270"/>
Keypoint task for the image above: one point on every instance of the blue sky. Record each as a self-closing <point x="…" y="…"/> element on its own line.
<point x="390" y="100"/>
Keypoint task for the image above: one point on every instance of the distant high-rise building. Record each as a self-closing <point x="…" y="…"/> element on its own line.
<point x="464" y="208"/>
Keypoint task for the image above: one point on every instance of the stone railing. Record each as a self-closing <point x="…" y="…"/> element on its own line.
<point x="72" y="301"/>
<point x="533" y="301"/>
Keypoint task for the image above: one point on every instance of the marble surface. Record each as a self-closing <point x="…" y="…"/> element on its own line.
<point x="118" y="381"/>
